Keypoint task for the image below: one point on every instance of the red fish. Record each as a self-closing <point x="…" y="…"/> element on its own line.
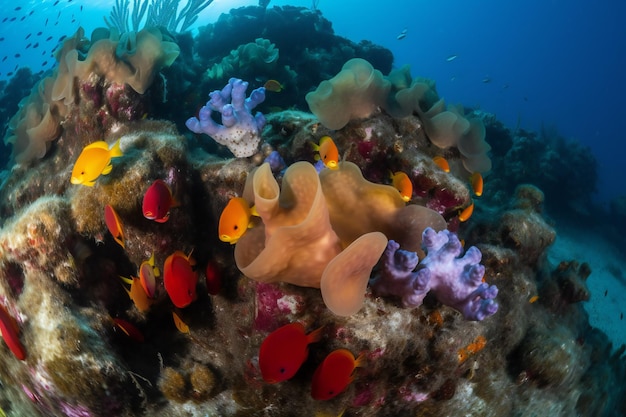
<point x="10" y="334"/>
<point x="157" y="202"/>
<point x="213" y="278"/>
<point x="129" y="329"/>
<point x="284" y="350"/>
<point x="334" y="374"/>
<point x="114" y="224"/>
<point x="180" y="279"/>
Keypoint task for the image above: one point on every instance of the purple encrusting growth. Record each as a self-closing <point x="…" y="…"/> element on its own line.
<point x="277" y="163"/>
<point x="455" y="281"/>
<point x="239" y="131"/>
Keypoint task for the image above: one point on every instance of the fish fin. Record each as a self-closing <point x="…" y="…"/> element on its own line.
<point x="151" y="260"/>
<point x="156" y="271"/>
<point x="89" y="183"/>
<point x="97" y="145"/>
<point x="359" y="362"/>
<point x="129" y="281"/>
<point x="254" y="212"/>
<point x="315" y="147"/>
<point x="315" y="335"/>
<point x="107" y="169"/>
<point x="163" y="219"/>
<point x="119" y="240"/>
<point x="115" y="150"/>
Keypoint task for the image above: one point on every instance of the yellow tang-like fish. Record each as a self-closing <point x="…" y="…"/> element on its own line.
<point x="93" y="161"/>
<point x="235" y="220"/>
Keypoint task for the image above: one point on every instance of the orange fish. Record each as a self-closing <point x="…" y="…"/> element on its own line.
<point x="179" y="323"/>
<point x="476" y="346"/>
<point x="157" y="202"/>
<point x="180" y="279"/>
<point x="334" y="374"/>
<point x="477" y="183"/>
<point x="466" y="213"/>
<point x="533" y="299"/>
<point x="442" y="163"/>
<point x="114" y="224"/>
<point x="129" y="329"/>
<point x="284" y="350"/>
<point x="147" y="276"/>
<point x="93" y="161"/>
<point x="10" y="334"/>
<point x="403" y="184"/>
<point x="274" y="86"/>
<point x="137" y="293"/>
<point x="235" y="220"/>
<point x="328" y="152"/>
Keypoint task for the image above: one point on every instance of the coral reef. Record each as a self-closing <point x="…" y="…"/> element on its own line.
<point x="90" y="350"/>
<point x="38" y="122"/>
<point x="240" y="131"/>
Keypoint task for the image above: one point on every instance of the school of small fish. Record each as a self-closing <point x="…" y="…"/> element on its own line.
<point x="68" y="16"/>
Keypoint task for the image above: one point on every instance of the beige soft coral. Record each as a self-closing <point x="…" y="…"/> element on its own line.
<point x="325" y="231"/>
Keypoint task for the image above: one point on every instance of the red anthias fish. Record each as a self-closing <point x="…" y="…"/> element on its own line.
<point x="10" y="334"/>
<point x="284" y="350"/>
<point x="114" y="224"/>
<point x="180" y="279"/>
<point x="157" y="202"/>
<point x="334" y="374"/>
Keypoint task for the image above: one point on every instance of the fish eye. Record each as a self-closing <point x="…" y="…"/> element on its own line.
<point x="282" y="370"/>
<point x="236" y="227"/>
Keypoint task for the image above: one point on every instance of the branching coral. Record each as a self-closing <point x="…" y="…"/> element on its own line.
<point x="159" y="13"/>
<point x="240" y="131"/>
<point x="456" y="282"/>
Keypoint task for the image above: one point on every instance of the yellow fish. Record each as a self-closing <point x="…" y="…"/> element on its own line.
<point x="93" y="161"/>
<point x="328" y="152"/>
<point x="403" y="184"/>
<point x="235" y="220"/>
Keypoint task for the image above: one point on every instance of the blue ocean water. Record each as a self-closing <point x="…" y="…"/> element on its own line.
<point x="534" y="63"/>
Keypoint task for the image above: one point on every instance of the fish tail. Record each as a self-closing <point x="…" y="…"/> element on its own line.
<point x="115" y="150"/>
<point x="359" y="362"/>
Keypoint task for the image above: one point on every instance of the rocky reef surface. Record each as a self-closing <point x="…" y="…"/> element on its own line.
<point x="79" y="342"/>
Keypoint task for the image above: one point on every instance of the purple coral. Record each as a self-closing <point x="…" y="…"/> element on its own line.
<point x="240" y="131"/>
<point x="455" y="281"/>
